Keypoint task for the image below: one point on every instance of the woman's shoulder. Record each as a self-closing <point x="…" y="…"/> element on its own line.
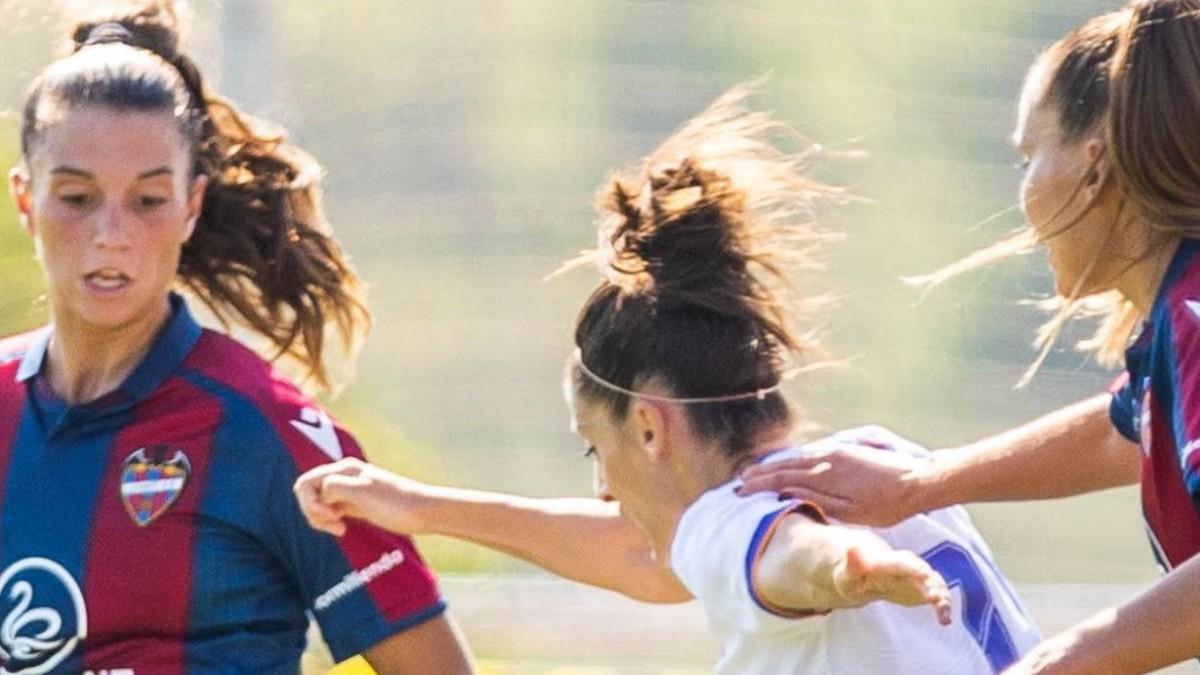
<point x="227" y="363"/>
<point x="13" y="347"/>
<point x="263" y="403"/>
<point x="1180" y="295"/>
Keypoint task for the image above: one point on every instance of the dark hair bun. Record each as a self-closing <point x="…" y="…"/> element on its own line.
<point x="152" y="25"/>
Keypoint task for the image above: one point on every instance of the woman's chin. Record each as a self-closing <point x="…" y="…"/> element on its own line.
<point x="110" y="313"/>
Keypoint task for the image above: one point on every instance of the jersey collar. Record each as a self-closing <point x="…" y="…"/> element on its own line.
<point x="171" y="346"/>
<point x="1182" y="260"/>
<point x="35" y="352"/>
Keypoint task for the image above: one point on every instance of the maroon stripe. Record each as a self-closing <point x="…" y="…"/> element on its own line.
<point x="12" y="405"/>
<point x="138" y="578"/>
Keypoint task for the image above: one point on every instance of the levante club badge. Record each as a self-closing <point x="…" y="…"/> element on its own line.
<point x="151" y="480"/>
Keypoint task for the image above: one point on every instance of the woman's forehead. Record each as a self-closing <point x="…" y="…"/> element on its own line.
<point x="1036" y="125"/>
<point x="1033" y="95"/>
<point x="97" y="139"/>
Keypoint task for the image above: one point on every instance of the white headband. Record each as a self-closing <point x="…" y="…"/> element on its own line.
<point x="758" y="394"/>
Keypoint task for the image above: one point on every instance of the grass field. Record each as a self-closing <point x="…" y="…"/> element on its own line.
<point x="535" y="625"/>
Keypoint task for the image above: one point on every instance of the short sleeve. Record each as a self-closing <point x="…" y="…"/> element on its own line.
<point x="362" y="587"/>
<point x="1122" y="410"/>
<point x="716" y="549"/>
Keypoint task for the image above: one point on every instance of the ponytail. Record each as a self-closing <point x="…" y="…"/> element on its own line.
<point x="262" y="254"/>
<point x="1152" y="121"/>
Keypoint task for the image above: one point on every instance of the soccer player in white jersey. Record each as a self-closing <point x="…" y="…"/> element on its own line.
<point x="675" y="385"/>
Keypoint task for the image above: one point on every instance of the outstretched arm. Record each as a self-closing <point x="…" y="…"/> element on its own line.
<point x="810" y="566"/>
<point x="1071" y="451"/>
<point x="1154" y="630"/>
<point x="587" y="540"/>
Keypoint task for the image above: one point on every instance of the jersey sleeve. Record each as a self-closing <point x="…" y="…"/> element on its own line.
<point x="362" y="587"/>
<point x="1122" y="408"/>
<point x="1185" y="356"/>
<point x="716" y="551"/>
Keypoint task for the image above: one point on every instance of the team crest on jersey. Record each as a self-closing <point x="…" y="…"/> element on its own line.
<point x="42" y="616"/>
<point x="151" y="480"/>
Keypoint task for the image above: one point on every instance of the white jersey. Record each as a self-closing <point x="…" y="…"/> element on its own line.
<point x="721" y="536"/>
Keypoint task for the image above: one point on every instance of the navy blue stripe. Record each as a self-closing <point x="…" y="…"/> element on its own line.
<point x="282" y="563"/>
<point x="49" y="503"/>
<point x="245" y="610"/>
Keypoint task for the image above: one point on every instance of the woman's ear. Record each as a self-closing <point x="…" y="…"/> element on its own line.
<point x="22" y="196"/>
<point x="650" y="424"/>
<point x="1099" y="168"/>
<point x="195" y="203"/>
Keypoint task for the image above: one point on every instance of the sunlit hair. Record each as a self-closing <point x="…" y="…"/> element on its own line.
<point x="696" y="245"/>
<point x="1132" y="76"/>
<point x="262" y="255"/>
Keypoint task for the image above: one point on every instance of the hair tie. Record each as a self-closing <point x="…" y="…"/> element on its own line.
<point x="107" y="33"/>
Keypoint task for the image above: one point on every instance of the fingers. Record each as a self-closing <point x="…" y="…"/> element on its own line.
<point x="780" y="481"/>
<point x="933" y="589"/>
<point x="804" y="463"/>
<point x="343" y="489"/>
<point x="856" y="563"/>
<point x="803" y="479"/>
<point x="319" y="515"/>
<point x="310" y="494"/>
<point x="780" y="475"/>
<point x="901" y="577"/>
<point x="938" y="595"/>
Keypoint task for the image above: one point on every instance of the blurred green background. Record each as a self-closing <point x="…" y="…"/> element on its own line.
<point x="464" y="141"/>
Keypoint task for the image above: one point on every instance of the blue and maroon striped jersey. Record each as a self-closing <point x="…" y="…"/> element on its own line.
<point x="154" y="531"/>
<point x="1157" y="405"/>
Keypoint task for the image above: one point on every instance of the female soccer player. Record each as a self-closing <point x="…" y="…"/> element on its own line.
<point x="146" y="518"/>
<point x="1109" y="130"/>
<point x="675" y="386"/>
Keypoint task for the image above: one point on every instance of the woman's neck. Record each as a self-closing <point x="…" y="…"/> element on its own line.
<point x="698" y="472"/>
<point x="85" y="362"/>
<point x="1141" y="282"/>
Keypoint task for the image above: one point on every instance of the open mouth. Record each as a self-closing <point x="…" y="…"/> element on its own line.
<point x="107" y="280"/>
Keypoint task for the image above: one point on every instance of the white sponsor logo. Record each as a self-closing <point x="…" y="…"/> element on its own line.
<point x="359" y="578"/>
<point x="318" y="428"/>
<point x="35" y="638"/>
<point x="111" y="671"/>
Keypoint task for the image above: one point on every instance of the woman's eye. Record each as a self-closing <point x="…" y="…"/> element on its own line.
<point x="76" y="200"/>
<point x="589" y="451"/>
<point x="150" y="201"/>
<point x="1022" y="165"/>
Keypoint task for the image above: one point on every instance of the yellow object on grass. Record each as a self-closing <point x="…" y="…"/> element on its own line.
<point x="355" y="666"/>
